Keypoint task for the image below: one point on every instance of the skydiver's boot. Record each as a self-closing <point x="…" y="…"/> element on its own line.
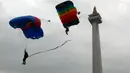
<point x="24" y="63"/>
<point x="25" y="57"/>
<point x="67" y="30"/>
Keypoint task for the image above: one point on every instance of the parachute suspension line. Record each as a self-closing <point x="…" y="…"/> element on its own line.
<point x="25" y="47"/>
<point x="26" y="44"/>
<point x="45" y="20"/>
<point x="83" y="15"/>
<point x="50" y="49"/>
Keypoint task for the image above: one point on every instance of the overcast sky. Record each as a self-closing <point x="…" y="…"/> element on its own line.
<point x="76" y="55"/>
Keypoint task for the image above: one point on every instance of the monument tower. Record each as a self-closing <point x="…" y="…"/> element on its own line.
<point x="95" y="19"/>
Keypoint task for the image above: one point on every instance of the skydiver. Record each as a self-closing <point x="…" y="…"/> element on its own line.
<point x="67" y="30"/>
<point x="25" y="57"/>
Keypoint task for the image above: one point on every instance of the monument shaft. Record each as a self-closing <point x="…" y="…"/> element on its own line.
<point x="97" y="63"/>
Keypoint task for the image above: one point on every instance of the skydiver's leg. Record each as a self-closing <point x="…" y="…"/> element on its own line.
<point x="24" y="62"/>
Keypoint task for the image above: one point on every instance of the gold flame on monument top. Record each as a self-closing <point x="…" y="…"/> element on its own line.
<point x="95" y="11"/>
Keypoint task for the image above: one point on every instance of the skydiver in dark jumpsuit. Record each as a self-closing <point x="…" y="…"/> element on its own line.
<point x="67" y="30"/>
<point x="25" y="57"/>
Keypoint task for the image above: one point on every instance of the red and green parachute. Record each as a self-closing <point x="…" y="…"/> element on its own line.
<point x="68" y="14"/>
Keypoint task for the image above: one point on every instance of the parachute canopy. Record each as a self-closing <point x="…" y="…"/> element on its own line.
<point x="30" y="25"/>
<point x="68" y="14"/>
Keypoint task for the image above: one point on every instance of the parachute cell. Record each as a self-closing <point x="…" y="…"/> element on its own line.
<point x="30" y="25"/>
<point x="68" y="14"/>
